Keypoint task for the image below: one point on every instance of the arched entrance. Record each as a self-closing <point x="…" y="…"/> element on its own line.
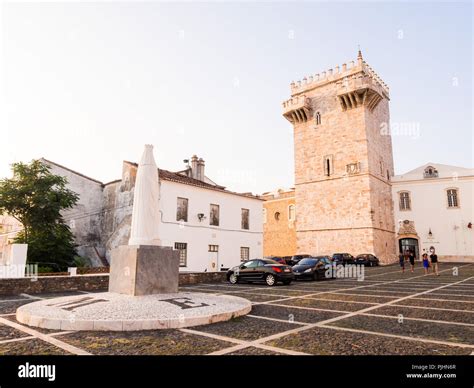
<point x="409" y="244"/>
<point x="408" y="238"/>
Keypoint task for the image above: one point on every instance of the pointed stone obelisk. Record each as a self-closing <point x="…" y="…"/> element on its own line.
<point x="146" y="210"/>
<point x="144" y="267"/>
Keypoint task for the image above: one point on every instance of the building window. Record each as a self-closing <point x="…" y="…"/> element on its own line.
<point x="245" y="219"/>
<point x="452" y="198"/>
<point x="388" y="175"/>
<point x="317" y="117"/>
<point x="430" y="172"/>
<point x="244" y="253"/>
<point x="183" y="253"/>
<point x="182" y="210"/>
<point x="214" y="215"/>
<point x="277" y="216"/>
<point x="264" y="214"/>
<point x="381" y="168"/>
<point x="405" y="201"/>
<point x="213" y="248"/>
<point x="328" y="166"/>
<point x="291" y="213"/>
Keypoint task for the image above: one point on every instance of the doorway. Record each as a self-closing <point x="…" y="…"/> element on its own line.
<point x="213" y="255"/>
<point x="409" y="244"/>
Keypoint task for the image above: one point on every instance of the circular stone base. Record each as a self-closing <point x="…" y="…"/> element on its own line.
<point x="117" y="312"/>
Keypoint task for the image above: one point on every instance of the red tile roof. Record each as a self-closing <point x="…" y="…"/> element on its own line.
<point x="180" y="178"/>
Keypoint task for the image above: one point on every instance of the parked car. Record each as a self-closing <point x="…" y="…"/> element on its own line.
<point x="287" y="259"/>
<point x="309" y="268"/>
<point x="296" y="258"/>
<point x="342" y="258"/>
<point x="265" y="270"/>
<point x="280" y="260"/>
<point x="367" y="259"/>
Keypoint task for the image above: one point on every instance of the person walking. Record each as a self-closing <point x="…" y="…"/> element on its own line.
<point x="401" y="259"/>
<point x="426" y="263"/>
<point x="434" y="261"/>
<point x="411" y="257"/>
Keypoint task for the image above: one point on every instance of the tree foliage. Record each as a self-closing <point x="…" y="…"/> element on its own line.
<point x="35" y="197"/>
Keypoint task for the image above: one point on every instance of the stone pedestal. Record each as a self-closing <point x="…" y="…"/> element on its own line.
<point x="144" y="270"/>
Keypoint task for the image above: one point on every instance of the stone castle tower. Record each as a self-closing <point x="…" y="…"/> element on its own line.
<point x="343" y="162"/>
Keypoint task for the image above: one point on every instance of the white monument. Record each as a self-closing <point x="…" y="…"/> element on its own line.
<point x="143" y="283"/>
<point x="146" y="211"/>
<point x="143" y="266"/>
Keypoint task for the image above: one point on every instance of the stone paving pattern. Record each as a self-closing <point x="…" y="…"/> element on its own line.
<point x="337" y="317"/>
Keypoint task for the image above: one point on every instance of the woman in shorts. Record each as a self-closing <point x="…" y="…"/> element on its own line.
<point x="426" y="263"/>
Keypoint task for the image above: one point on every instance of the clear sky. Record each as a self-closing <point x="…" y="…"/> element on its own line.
<point x="88" y="84"/>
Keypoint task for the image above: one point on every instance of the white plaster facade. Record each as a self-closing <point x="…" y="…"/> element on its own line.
<point x="452" y="230"/>
<point x="198" y="235"/>
<point x="101" y="220"/>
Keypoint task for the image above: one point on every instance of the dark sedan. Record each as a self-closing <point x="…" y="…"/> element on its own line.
<point x="367" y="260"/>
<point x="265" y="270"/>
<point x="296" y="259"/>
<point x="312" y="268"/>
<point x="342" y="258"/>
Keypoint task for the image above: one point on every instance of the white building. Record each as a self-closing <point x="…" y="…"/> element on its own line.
<point x="434" y="208"/>
<point x="213" y="228"/>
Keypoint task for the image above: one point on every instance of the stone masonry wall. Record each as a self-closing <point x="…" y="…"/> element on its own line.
<point x="279" y="236"/>
<point x="343" y="212"/>
<point x="92" y="283"/>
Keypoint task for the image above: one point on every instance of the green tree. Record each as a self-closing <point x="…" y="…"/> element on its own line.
<point x="35" y="197"/>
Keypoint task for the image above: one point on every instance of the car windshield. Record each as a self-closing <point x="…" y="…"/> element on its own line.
<point x="337" y="256"/>
<point x="308" y="262"/>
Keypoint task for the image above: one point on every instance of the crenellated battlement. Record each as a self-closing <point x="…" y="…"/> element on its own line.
<point x="297" y="109"/>
<point x="339" y="73"/>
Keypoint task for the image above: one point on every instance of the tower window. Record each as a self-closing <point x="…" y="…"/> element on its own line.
<point x="277" y="216"/>
<point x="405" y="200"/>
<point x="291" y="213"/>
<point x="328" y="165"/>
<point x="317" y="117"/>
<point x="452" y="198"/>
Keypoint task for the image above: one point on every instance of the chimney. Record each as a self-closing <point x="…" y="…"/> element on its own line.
<point x="200" y="171"/>
<point x="194" y="167"/>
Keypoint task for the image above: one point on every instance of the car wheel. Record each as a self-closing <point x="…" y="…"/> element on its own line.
<point x="270" y="280"/>
<point x="233" y="279"/>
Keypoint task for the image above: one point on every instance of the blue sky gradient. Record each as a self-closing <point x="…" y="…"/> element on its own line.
<point x="86" y="85"/>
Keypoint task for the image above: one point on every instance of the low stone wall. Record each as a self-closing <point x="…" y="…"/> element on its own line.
<point x="43" y="284"/>
<point x="98" y="282"/>
<point x="186" y="278"/>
